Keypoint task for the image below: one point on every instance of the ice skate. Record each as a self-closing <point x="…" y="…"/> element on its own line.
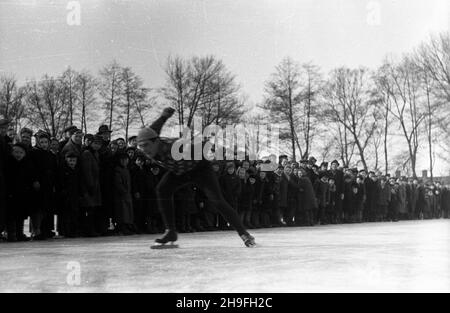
<point x="167" y="241"/>
<point x="249" y="240"/>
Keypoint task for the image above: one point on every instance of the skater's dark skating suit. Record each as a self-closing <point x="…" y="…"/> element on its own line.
<point x="188" y="172"/>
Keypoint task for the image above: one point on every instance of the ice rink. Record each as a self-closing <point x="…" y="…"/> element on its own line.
<point x="404" y="256"/>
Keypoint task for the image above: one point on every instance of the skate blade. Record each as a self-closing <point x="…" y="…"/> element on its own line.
<point x="161" y="246"/>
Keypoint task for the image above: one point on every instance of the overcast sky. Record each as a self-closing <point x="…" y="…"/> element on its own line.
<point x="250" y="36"/>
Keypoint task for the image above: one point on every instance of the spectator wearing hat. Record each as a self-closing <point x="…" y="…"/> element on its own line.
<point x="4" y="153"/>
<point x="322" y="192"/>
<point x="25" y="138"/>
<point x="338" y="177"/>
<point x="121" y="145"/>
<point x="87" y="140"/>
<point x="74" y="145"/>
<point x="105" y="133"/>
<point x="132" y="142"/>
<point x="42" y="212"/>
<point x="21" y="181"/>
<point x="68" y="132"/>
<point x="91" y="197"/>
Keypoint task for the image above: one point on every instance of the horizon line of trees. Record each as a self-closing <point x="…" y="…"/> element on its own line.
<point x="350" y="114"/>
<point x="353" y="113"/>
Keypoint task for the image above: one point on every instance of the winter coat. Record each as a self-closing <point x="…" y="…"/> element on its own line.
<point x="245" y="199"/>
<point x="322" y="192"/>
<point x="4" y="152"/>
<point x="90" y="179"/>
<point x="45" y="166"/>
<point x="68" y="187"/>
<point x="371" y="195"/>
<point x="20" y="176"/>
<point x="384" y="195"/>
<point x="231" y="188"/>
<point x="123" y="203"/>
<point x="72" y="148"/>
<point x="307" y="199"/>
<point x="402" y="207"/>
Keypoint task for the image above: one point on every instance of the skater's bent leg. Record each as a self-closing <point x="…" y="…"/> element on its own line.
<point x="164" y="190"/>
<point x="207" y="180"/>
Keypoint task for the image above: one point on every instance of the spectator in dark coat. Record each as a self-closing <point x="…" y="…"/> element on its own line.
<point x="231" y="188"/>
<point x="445" y="201"/>
<point x="140" y="190"/>
<point x="91" y="196"/>
<point x="384" y="198"/>
<point x="245" y="199"/>
<point x="123" y="203"/>
<point x="42" y="211"/>
<point x="21" y="181"/>
<point x="371" y="185"/>
<point x="264" y="198"/>
<point x="4" y="153"/>
<point x="338" y="177"/>
<point x="69" y="193"/>
<point x="74" y="145"/>
<point x="307" y="203"/>
<point x="322" y="192"/>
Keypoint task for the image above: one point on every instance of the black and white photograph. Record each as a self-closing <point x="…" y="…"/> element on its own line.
<point x="224" y="152"/>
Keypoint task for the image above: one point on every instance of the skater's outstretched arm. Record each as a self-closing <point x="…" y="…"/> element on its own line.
<point x="159" y="123"/>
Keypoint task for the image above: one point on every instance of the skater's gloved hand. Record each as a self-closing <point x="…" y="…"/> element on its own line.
<point x="168" y="112"/>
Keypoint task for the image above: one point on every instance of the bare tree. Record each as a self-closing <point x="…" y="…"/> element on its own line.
<point x="46" y="105"/>
<point x="86" y="89"/>
<point x="111" y="89"/>
<point x="311" y="86"/>
<point x="11" y="100"/>
<point x="283" y="99"/>
<point x="404" y="80"/>
<point x="134" y="96"/>
<point x="348" y="103"/>
<point x="381" y="95"/>
<point x="68" y="80"/>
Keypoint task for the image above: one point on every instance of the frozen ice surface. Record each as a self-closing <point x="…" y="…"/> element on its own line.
<point x="378" y="257"/>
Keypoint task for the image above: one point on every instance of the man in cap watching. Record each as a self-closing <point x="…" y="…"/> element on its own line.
<point x="181" y="173"/>
<point x="74" y="145"/>
<point x="68" y="132"/>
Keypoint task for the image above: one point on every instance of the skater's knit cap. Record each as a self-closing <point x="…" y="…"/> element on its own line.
<point x="146" y="134"/>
